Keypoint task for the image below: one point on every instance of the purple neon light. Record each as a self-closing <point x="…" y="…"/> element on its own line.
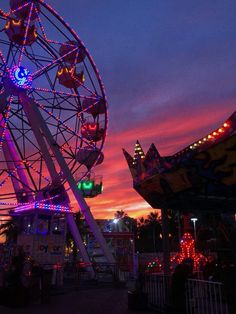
<point x="64" y="93"/>
<point x="39" y="205"/>
<point x="11" y="12"/>
<point x="18" y="9"/>
<point x="5" y="123"/>
<point x="28" y="203"/>
<point x="26" y="34"/>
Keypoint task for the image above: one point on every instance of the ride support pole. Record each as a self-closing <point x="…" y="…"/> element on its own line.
<point x="165" y="239"/>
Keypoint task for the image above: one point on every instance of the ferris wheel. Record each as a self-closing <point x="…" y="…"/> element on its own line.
<point x="53" y="112"/>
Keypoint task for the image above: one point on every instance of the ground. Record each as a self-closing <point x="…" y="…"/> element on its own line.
<point x="100" y="300"/>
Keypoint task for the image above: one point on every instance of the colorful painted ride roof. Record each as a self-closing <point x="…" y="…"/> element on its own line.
<point x="201" y="176"/>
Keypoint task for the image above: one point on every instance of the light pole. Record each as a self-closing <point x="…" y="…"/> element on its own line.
<point x="194" y="220"/>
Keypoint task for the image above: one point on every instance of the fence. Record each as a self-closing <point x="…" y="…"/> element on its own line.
<point x="157" y="288"/>
<point x="202" y="297"/>
<point x="205" y="297"/>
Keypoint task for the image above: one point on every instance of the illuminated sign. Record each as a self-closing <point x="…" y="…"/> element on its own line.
<point x="21" y="77"/>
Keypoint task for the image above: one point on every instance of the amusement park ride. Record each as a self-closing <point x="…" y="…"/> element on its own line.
<point x="53" y="121"/>
<point x="200" y="177"/>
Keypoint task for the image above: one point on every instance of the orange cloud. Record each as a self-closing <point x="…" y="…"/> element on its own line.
<point x="170" y="131"/>
<point x="171" y="134"/>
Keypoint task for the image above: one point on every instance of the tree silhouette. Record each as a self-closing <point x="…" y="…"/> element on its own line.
<point x="148" y="235"/>
<point x="10" y="230"/>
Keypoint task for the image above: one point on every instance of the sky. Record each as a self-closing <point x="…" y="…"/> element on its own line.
<point x="169" y="69"/>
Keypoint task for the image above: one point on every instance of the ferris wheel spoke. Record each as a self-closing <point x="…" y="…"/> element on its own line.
<point x="82" y="84"/>
<point x="31" y="166"/>
<point x="3" y="14"/>
<point x="56" y="103"/>
<point x="44" y="33"/>
<point x="87" y="108"/>
<point x="54" y="25"/>
<point x="3" y="182"/>
<point x="13" y="172"/>
<point x="4" y="42"/>
<point x="3" y="59"/>
<point x="26" y="186"/>
<point x="51" y="64"/>
<point x="14" y="54"/>
<point x="26" y="34"/>
<point x="17" y="9"/>
<point x="61" y="123"/>
<point x="19" y="152"/>
<point x="5" y="120"/>
<point x="91" y="80"/>
<point x="23" y="135"/>
<point x="62" y="93"/>
<point x="66" y="143"/>
<point x="45" y="46"/>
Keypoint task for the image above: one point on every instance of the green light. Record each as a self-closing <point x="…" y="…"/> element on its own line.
<point x="88" y="185"/>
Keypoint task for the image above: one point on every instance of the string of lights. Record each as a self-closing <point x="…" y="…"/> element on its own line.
<point x="187" y="251"/>
<point x="26" y="34"/>
<point x="4" y="127"/>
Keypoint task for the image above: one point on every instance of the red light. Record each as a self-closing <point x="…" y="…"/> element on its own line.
<point x="226" y="125"/>
<point x="92" y="127"/>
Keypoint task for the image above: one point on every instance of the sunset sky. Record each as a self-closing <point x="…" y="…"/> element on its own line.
<point x="169" y="69"/>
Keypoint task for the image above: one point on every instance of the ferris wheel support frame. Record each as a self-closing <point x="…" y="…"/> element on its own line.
<point x="11" y="165"/>
<point x="54" y="175"/>
<point x="16" y="159"/>
<point x="36" y="119"/>
<point x="13" y="162"/>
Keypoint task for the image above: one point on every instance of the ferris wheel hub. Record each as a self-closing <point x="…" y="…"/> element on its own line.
<point x="21" y="77"/>
<point x="17" y="81"/>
